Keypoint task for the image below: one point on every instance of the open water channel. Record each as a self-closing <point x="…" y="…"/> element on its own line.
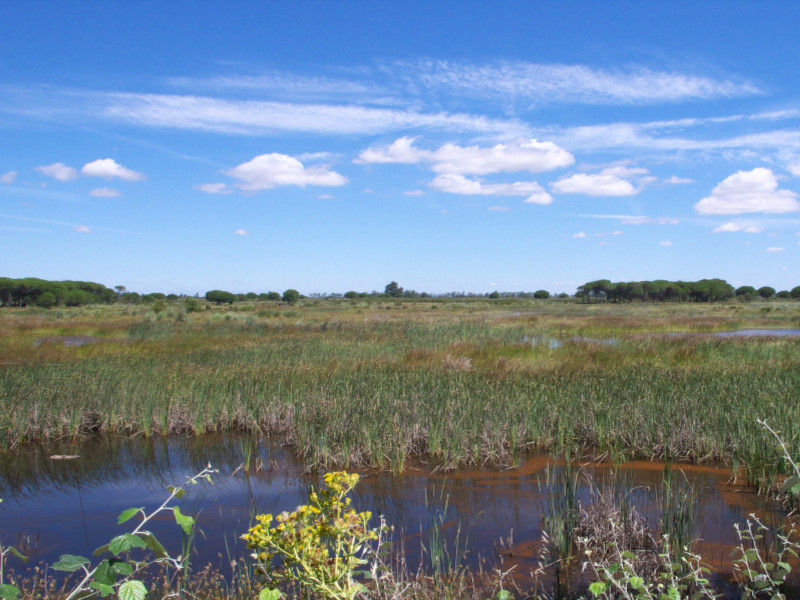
<point x="54" y="505"/>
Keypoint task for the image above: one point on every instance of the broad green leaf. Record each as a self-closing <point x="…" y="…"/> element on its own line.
<point x="269" y="594"/>
<point x="613" y="568"/>
<point x="122" y="567"/>
<point x="785" y="566"/>
<point x="751" y="554"/>
<point x="597" y="588"/>
<point x="126" y="515"/>
<point x="795" y="489"/>
<point x="70" y="562"/>
<point x="629" y="555"/>
<point x="185" y="521"/>
<point x="104" y="575"/>
<point x="636" y="582"/>
<point x="103" y="588"/>
<point x="132" y="590"/>
<point x="123" y="543"/>
<point x="503" y="595"/>
<point x="151" y="542"/>
<point x="8" y="591"/>
<point x="176" y="491"/>
<point x="101" y="550"/>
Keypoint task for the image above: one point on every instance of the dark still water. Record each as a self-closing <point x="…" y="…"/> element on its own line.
<point x="71" y="506"/>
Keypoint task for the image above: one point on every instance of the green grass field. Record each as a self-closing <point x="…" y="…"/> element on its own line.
<point x="456" y="382"/>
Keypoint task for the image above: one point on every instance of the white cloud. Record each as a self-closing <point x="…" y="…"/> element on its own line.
<point x="612" y="181"/>
<point x="58" y="171"/>
<point x="271" y="170"/>
<point x="325" y="197"/>
<point x="499" y="208"/>
<point x="108" y="168"/>
<point x="254" y="117"/>
<point x="617" y="232"/>
<point x="520" y="155"/>
<point x="545" y="83"/>
<point x="82" y="229"/>
<point x="678" y="180"/>
<point x="794" y="169"/>
<point x="665" y="243"/>
<point x="634" y="220"/>
<point x="733" y="227"/>
<point x="458" y="184"/>
<point x="8" y="177"/>
<point x="105" y="193"/>
<point x="748" y="191"/>
<point x="580" y="234"/>
<point x="774" y="249"/>
<point x="414" y="193"/>
<point x="213" y="188"/>
<point x="400" y="151"/>
<point x="241" y="232"/>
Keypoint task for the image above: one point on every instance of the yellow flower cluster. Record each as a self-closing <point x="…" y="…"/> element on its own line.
<point x="319" y="545"/>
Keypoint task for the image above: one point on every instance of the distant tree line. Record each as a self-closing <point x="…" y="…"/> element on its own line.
<point x="661" y="290"/>
<point x="30" y="291"/>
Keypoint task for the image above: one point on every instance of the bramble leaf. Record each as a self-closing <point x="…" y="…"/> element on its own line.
<point x="132" y="590"/>
<point x="103" y="588"/>
<point x="126" y="515"/>
<point x="8" y="591"/>
<point x="185" y="521"/>
<point x="70" y="562"/>
<point x="269" y="594"/>
<point x="598" y="588"/>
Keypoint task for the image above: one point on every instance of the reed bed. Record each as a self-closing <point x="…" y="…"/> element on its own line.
<point x="375" y="383"/>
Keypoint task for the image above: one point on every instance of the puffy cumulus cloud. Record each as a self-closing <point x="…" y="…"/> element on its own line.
<point x="665" y="243"/>
<point x="58" y="171"/>
<point x="8" y="177"/>
<point x="82" y="229"/>
<point x="267" y="171"/>
<point x="580" y="234"/>
<point x="521" y="155"/>
<point x="241" y="232"/>
<point x="458" y="184"/>
<point x="732" y="227"/>
<point x="612" y="181"/>
<point x="402" y="151"/>
<point x="213" y="188"/>
<point x="105" y="193"/>
<point x="108" y="168"/>
<point x="747" y="192"/>
<point x="794" y="169"/>
<point x="774" y="249"/>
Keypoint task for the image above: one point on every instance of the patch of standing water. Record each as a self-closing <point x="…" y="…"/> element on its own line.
<point x="53" y="507"/>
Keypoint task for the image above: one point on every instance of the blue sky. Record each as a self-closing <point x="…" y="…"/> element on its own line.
<point x="329" y="146"/>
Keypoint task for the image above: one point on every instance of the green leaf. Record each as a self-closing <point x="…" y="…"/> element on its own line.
<point x="151" y="542"/>
<point x="70" y="562"/>
<point x="785" y="566"/>
<point x="185" y="521"/>
<point x="751" y="555"/>
<point x="597" y="588"/>
<point x="503" y="595"/>
<point x="8" y="591"/>
<point x="121" y="567"/>
<point x="104" y="575"/>
<point x="176" y="491"/>
<point x="101" y="550"/>
<point x="104" y="589"/>
<point x="629" y="555"/>
<point x="269" y="594"/>
<point x="132" y="590"/>
<point x="795" y="489"/>
<point x="123" y="543"/>
<point x="636" y="582"/>
<point x="613" y="568"/>
<point x="127" y="515"/>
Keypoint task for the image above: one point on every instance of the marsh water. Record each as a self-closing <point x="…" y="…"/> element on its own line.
<point x="70" y="505"/>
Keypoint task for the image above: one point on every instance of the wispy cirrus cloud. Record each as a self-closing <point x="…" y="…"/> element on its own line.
<point x="74" y="226"/>
<point x="538" y="83"/>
